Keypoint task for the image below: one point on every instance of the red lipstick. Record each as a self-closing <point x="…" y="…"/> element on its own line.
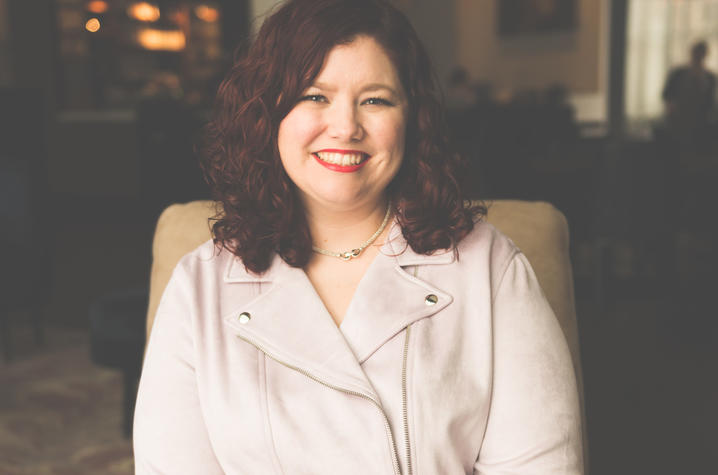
<point x="341" y="168"/>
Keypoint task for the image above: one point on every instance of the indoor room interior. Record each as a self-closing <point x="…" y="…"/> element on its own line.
<point x="568" y="102"/>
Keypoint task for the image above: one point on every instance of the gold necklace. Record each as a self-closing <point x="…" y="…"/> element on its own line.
<point x="347" y="255"/>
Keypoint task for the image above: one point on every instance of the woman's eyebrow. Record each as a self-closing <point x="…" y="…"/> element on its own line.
<point x="378" y="87"/>
<point x="323" y="86"/>
<point x="366" y="88"/>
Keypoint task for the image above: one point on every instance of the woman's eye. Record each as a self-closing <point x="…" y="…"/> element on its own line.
<point x="313" y="98"/>
<point x="377" y="101"/>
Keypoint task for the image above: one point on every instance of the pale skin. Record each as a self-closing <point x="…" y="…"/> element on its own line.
<point x="356" y="104"/>
<point x="336" y="281"/>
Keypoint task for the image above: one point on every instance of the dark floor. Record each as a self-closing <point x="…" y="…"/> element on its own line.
<point x="60" y="414"/>
<point x="651" y="388"/>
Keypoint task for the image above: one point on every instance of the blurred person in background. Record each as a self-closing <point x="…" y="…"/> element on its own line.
<point x="689" y="96"/>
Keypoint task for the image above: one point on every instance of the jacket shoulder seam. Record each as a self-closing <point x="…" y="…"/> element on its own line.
<point x="515" y="252"/>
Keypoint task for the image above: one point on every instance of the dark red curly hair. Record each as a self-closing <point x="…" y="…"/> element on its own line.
<point x="261" y="210"/>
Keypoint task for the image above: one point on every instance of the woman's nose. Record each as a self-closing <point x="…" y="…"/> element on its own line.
<point x="344" y="122"/>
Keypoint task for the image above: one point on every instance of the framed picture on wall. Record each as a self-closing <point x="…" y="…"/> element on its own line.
<point x="529" y="17"/>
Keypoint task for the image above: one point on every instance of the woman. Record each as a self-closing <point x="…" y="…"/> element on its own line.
<point x="351" y="315"/>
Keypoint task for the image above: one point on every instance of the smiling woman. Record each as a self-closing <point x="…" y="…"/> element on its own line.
<point x="345" y="68"/>
<point x="351" y="120"/>
<point x="352" y="314"/>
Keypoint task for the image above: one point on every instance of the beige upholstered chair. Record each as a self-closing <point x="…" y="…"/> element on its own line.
<point x="537" y="228"/>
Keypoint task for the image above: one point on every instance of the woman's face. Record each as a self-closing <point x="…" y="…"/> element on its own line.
<point x="343" y="142"/>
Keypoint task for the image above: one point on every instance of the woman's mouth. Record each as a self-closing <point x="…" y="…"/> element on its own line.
<point x="344" y="161"/>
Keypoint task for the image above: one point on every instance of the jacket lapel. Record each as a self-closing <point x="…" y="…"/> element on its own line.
<point x="290" y="323"/>
<point x="389" y="297"/>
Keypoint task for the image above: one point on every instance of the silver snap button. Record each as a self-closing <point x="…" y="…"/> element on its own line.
<point x="431" y="299"/>
<point x="244" y="317"/>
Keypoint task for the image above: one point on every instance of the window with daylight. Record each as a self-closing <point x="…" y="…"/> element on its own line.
<point x="660" y="35"/>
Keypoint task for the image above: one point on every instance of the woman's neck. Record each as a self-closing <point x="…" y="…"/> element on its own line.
<point x="344" y="230"/>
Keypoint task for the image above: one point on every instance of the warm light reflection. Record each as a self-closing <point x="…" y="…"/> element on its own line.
<point x="97" y="6"/>
<point x="206" y="13"/>
<point x="92" y="25"/>
<point x="161" y="40"/>
<point x="144" y="11"/>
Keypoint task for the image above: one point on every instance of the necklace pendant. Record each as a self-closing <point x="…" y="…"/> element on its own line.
<point x="350" y="254"/>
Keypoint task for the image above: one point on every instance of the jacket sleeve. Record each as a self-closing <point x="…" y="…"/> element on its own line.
<point x="170" y="436"/>
<point x="534" y="423"/>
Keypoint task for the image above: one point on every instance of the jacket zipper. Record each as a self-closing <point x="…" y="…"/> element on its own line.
<point x="395" y="457"/>
<point x="404" y="411"/>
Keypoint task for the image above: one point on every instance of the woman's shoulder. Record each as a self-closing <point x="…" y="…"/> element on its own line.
<point x="212" y="265"/>
<point x="485" y="235"/>
<point x="208" y="264"/>
<point x="483" y="255"/>
<point x="207" y="255"/>
<point x="203" y="281"/>
<point x="485" y="245"/>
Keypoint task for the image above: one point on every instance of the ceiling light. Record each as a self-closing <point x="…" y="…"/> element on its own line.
<point x="161" y="40"/>
<point x="206" y="13"/>
<point x="92" y="25"/>
<point x="144" y="11"/>
<point x="97" y="6"/>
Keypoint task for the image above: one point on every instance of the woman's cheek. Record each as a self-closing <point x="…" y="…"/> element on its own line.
<point x="308" y="119"/>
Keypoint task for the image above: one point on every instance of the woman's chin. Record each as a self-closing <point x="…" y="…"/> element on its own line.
<point x="340" y="199"/>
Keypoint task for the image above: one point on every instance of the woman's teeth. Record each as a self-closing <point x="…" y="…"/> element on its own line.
<point x="343" y="159"/>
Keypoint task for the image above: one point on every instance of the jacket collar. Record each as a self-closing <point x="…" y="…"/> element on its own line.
<point x="236" y="272"/>
<point x="291" y="324"/>
<point x="396" y="246"/>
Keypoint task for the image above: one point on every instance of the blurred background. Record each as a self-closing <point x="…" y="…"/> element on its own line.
<point x="605" y="108"/>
